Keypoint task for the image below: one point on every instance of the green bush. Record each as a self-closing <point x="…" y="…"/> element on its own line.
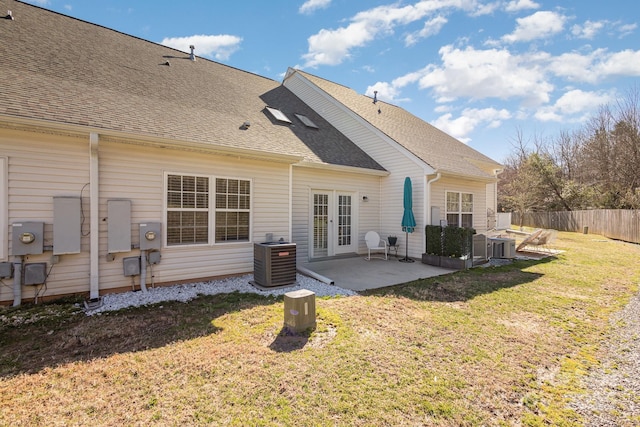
<point x="457" y="242"/>
<point x="434" y="239"/>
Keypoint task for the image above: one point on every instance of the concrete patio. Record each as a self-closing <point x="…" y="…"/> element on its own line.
<point x="358" y="274"/>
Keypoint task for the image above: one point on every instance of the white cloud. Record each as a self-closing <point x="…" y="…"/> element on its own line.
<point x="68" y="7"/>
<point x="623" y="63"/>
<point x="430" y="28"/>
<point x="540" y="25"/>
<point x="574" y="106"/>
<point x="486" y="9"/>
<point x="443" y="108"/>
<point x="492" y="73"/>
<point x="596" y="66"/>
<point x="575" y="66"/>
<point x="386" y="92"/>
<point x="219" y="47"/>
<point x="311" y="6"/>
<point x="588" y="30"/>
<point x="627" y="29"/>
<point x="332" y="47"/>
<point x="469" y="120"/>
<point x="518" y="5"/>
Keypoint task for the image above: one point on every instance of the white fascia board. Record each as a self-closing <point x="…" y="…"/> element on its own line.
<point x="340" y="168"/>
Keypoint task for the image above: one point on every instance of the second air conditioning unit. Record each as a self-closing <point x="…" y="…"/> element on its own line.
<point x="503" y="248"/>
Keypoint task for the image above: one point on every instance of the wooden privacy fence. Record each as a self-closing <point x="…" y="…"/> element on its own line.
<point x="616" y="224"/>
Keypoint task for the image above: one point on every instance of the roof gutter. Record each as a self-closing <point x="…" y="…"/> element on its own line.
<point x="341" y="168"/>
<point x="110" y="135"/>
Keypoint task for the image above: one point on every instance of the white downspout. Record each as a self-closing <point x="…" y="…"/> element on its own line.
<point x="143" y="270"/>
<point x="427" y="205"/>
<point x="496" y="172"/>
<point x="17" y="281"/>
<point x="94" y="203"/>
<point x="291" y="203"/>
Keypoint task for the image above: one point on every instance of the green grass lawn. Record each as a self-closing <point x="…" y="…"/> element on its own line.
<point x="488" y="346"/>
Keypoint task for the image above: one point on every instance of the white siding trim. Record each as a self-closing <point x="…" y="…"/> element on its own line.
<point x="4" y="209"/>
<point x="427" y="170"/>
<point x="290" y="231"/>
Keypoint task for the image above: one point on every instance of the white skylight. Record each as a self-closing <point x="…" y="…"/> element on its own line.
<point x="307" y="121"/>
<point x="278" y="115"/>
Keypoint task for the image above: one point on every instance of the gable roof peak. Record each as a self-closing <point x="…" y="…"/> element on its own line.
<point x="431" y="145"/>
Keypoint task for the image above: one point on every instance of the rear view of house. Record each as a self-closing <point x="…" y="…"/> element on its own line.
<point x="126" y="164"/>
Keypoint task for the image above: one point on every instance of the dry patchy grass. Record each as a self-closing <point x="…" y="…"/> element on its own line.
<point x="497" y="346"/>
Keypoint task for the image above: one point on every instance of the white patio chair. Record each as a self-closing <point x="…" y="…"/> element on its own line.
<point x="375" y="243"/>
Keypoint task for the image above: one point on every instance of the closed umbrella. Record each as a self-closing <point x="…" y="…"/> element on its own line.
<point x="408" y="220"/>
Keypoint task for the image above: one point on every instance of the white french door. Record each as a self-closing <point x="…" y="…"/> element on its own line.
<point x="333" y="225"/>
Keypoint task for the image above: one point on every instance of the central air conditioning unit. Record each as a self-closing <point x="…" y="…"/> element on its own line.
<point x="274" y="264"/>
<point x="503" y="248"/>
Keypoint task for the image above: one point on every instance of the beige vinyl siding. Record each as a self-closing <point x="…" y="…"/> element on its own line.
<point x="478" y="189"/>
<point x="137" y="173"/>
<point x="307" y="180"/>
<point x="388" y="154"/>
<point x="39" y="167"/>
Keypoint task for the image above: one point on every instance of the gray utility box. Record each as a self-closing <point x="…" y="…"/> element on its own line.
<point x="118" y="226"/>
<point x="300" y="310"/>
<point x="131" y="266"/>
<point x="34" y="273"/>
<point x="6" y="270"/>
<point x="27" y="238"/>
<point x="66" y="225"/>
<point x="150" y="236"/>
<point x="274" y="264"/>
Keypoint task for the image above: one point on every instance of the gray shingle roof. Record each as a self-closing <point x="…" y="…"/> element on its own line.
<point x="62" y="69"/>
<point x="431" y="145"/>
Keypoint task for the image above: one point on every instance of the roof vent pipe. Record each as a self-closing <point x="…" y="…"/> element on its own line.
<point x="9" y="15"/>
<point x="192" y="56"/>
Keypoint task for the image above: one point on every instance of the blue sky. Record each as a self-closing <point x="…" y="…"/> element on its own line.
<point x="481" y="70"/>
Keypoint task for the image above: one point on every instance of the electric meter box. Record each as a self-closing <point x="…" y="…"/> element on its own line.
<point x="150" y="236"/>
<point x="27" y="238"/>
<point x="66" y="225"/>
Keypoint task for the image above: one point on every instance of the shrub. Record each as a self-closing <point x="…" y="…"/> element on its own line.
<point x="434" y="239"/>
<point x="457" y="242"/>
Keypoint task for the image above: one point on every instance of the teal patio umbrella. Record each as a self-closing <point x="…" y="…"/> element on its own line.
<point x="408" y="220"/>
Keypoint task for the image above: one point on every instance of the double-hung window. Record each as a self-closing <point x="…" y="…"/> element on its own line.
<point x="193" y="204"/>
<point x="459" y="209"/>
<point x="233" y="201"/>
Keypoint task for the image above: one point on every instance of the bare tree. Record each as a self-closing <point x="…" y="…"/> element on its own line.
<point x="593" y="167"/>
